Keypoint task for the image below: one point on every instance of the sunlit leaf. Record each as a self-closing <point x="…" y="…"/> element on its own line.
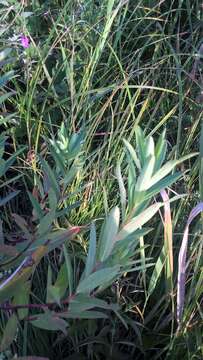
<point x="97" y="278"/>
<point x="138" y="221"/>
<point x="108" y="234"/>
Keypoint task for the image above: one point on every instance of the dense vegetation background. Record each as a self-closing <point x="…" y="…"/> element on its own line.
<point x="80" y="81"/>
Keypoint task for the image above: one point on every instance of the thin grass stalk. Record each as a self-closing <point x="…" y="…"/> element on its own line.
<point x="168" y="243"/>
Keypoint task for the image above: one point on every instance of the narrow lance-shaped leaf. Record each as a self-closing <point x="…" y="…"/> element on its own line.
<point x="84" y="315"/>
<point x="51" y="176"/>
<point x="108" y="234"/>
<point x="132" y="153"/>
<point x="97" y="278"/>
<point x="141" y="145"/>
<point x="167" y="168"/>
<point x="145" y="175"/>
<point x="8" y="197"/>
<point x="157" y="271"/>
<point x="122" y="190"/>
<point x="182" y="263"/>
<point x="6" y="77"/>
<point x="138" y="221"/>
<point x="160" y="151"/>
<point x="36" y="206"/>
<point x="62" y="280"/>
<point x="50" y="321"/>
<point x="149" y="147"/>
<point x="69" y="269"/>
<point x="45" y="223"/>
<point x="91" y="257"/>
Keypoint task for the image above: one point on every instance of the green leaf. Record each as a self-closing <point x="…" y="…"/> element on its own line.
<point x="68" y="209"/>
<point x="21" y="297"/>
<point x="122" y="190"/>
<point x="22" y="225"/>
<point x="160" y="151"/>
<point x="110" y="5"/>
<point x="167" y="168"/>
<point x="49" y="283"/>
<point x="162" y="184"/>
<point x="58" y="158"/>
<point x="2" y="146"/>
<point x="54" y="294"/>
<point x="9" y="197"/>
<point x="141" y="145"/>
<point x="132" y="153"/>
<point x="145" y="175"/>
<point x="131" y="183"/>
<point x="57" y="238"/>
<point x="157" y="271"/>
<point x="4" y="97"/>
<point x="75" y="144"/>
<point x="12" y="158"/>
<point x="83" y="302"/>
<point x="38" y="211"/>
<point x="84" y="315"/>
<point x="138" y="221"/>
<point x="2" y="166"/>
<point x="69" y="177"/>
<point x="50" y="321"/>
<point x="46" y="222"/>
<point x="6" y="77"/>
<point x="9" y="332"/>
<point x="69" y="269"/>
<point x="108" y="234"/>
<point x="52" y="199"/>
<point x="97" y="278"/>
<point x="51" y="176"/>
<point x="91" y="257"/>
<point x="62" y="280"/>
<point x="149" y="147"/>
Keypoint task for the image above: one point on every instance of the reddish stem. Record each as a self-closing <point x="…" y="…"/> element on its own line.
<point x="8" y="307"/>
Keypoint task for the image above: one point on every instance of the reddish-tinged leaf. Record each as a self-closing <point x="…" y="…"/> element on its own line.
<point x="182" y="263"/>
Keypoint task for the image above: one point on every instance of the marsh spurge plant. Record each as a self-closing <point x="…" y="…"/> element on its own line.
<point x="110" y="254"/>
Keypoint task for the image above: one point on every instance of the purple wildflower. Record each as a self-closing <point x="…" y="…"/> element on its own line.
<point x="25" y="42"/>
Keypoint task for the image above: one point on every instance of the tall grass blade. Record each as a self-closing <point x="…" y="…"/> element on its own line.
<point x="168" y="242"/>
